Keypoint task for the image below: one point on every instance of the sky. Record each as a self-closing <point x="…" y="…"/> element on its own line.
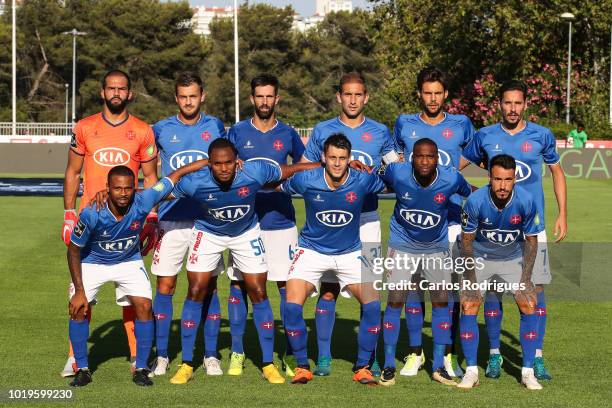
<point x="304" y="7"/>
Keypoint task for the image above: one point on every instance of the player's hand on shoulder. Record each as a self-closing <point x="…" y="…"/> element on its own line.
<point x="99" y="199"/>
<point x="357" y="165"/>
<point x="70" y="220"/>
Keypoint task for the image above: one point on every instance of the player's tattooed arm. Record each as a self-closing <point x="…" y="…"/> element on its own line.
<point x="78" y="301"/>
<point x="526" y="298"/>
<point x="560" y="188"/>
<point x="288" y="170"/>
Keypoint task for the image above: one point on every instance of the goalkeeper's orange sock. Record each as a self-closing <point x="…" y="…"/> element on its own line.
<point x="128" y="324"/>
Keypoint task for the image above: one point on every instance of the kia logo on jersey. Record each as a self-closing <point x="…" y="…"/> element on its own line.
<point x="523" y="171"/>
<point x="362" y="157"/>
<point x="118" y="245"/>
<point x="334" y="218"/>
<point x="185" y="157"/>
<point x="500" y="237"/>
<point x="420" y="218"/>
<point x="444" y="158"/>
<point x="231" y="213"/>
<point x="111" y="157"/>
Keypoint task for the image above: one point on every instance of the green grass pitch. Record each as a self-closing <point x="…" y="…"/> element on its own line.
<point x="33" y="334"/>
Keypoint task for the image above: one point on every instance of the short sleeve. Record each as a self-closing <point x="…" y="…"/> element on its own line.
<point x="221" y="128"/>
<point x="463" y="188"/>
<point x="468" y="134"/>
<point x="77" y="141"/>
<point x="150" y="197"/>
<point x="397" y="135"/>
<point x="185" y="187"/>
<point x="148" y="149"/>
<point x="84" y="227"/>
<point x="386" y="173"/>
<point x="532" y="224"/>
<point x="313" y="150"/>
<point x="263" y="171"/>
<point x="297" y="146"/>
<point x="295" y="184"/>
<point x="374" y="184"/>
<point x="231" y="135"/>
<point x="473" y="150"/>
<point x="157" y="131"/>
<point x="389" y="148"/>
<point x="469" y="216"/>
<point x="549" y="151"/>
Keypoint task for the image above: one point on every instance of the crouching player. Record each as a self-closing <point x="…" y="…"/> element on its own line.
<point x="419" y="237"/>
<point x="330" y="241"/>
<point x="104" y="247"/>
<point x="498" y="221"/>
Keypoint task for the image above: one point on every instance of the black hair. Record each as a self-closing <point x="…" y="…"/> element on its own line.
<point x="119" y="171"/>
<point x="424" y="141"/>
<point x="505" y="161"/>
<point x="186" y="79"/>
<point x="338" y="140"/>
<point x="221" y="143"/>
<point x="352" y="77"/>
<point x="432" y="74"/>
<point x="513" y="85"/>
<point x="117" y="72"/>
<point x="264" y="80"/>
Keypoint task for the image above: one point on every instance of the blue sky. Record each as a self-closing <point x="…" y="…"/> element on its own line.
<point x="304" y="7"/>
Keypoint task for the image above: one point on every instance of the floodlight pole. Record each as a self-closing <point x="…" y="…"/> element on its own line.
<point x="569" y="17"/>
<point x="236" y="77"/>
<point x="74" y="32"/>
<point x="14" y="69"/>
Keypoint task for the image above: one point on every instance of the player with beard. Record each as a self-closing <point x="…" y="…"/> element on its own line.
<point x="263" y="137"/>
<point x="183" y="139"/>
<point x="372" y="144"/>
<point x="532" y="146"/>
<point x="451" y="133"/>
<point x="99" y="142"/>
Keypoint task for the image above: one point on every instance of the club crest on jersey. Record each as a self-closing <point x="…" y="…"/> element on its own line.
<point x="180" y="159"/>
<point x="439" y="198"/>
<point x="278" y="145"/>
<point x="243" y="191"/>
<point x="206" y="135"/>
<point x="443" y="158"/>
<point x="447" y="133"/>
<point x="515" y="219"/>
<point x="366" y="137"/>
<point x="111" y="157"/>
<point x="334" y="218"/>
<point x="350" y="197"/>
<point x="119" y="245"/>
<point x="135" y="225"/>
<point x="231" y="213"/>
<point x="420" y="218"/>
<point x="130" y="135"/>
<point x="500" y="237"/>
<point x="362" y="157"/>
<point x="523" y="171"/>
<point x="526" y="147"/>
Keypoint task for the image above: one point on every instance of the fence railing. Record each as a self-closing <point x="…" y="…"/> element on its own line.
<point x="31" y="132"/>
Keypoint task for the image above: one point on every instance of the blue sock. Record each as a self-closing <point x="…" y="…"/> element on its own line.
<point x="79" y="333"/>
<point x="283" y="299"/>
<point x="162" y="312"/>
<point x="325" y="317"/>
<point x="529" y="337"/>
<point x="295" y="328"/>
<point x="391" y="329"/>
<point x="414" y="322"/>
<point x="369" y="327"/>
<point x="493" y="314"/>
<point x="469" y="338"/>
<point x="211" y="313"/>
<point x="541" y="312"/>
<point x="145" y="332"/>
<point x="264" y="322"/>
<point x="190" y="320"/>
<point x="237" y="310"/>
<point x="441" y="330"/>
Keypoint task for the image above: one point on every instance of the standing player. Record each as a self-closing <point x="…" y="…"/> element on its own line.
<point x="372" y="144"/>
<point x="531" y="145"/>
<point x="329" y="242"/>
<point x="419" y="231"/>
<point x="500" y="223"/>
<point x="263" y="137"/>
<point x="99" y="142"/>
<point x="182" y="139"/>
<point x="229" y="221"/>
<point x="104" y="248"/>
<point x="451" y="133"/>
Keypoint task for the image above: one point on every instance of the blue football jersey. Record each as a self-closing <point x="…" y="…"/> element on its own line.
<point x="228" y="212"/>
<point x="530" y="147"/>
<point x="499" y="233"/>
<point x="180" y="144"/>
<point x="371" y="141"/>
<point x="451" y="135"/>
<point x="274" y="208"/>
<point x="332" y="216"/>
<point x="104" y="240"/>
<point x="420" y="218"/>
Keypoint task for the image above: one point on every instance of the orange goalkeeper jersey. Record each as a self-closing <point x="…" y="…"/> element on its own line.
<point x="105" y="145"/>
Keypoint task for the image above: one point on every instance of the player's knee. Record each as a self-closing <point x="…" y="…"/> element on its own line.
<point x="439" y="304"/>
<point x="166" y="286"/>
<point x="257" y="294"/>
<point x="470" y="308"/>
<point x="395" y="305"/>
<point x="197" y="292"/>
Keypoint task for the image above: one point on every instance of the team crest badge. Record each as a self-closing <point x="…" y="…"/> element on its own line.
<point x="206" y="135"/>
<point x="130" y="135"/>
